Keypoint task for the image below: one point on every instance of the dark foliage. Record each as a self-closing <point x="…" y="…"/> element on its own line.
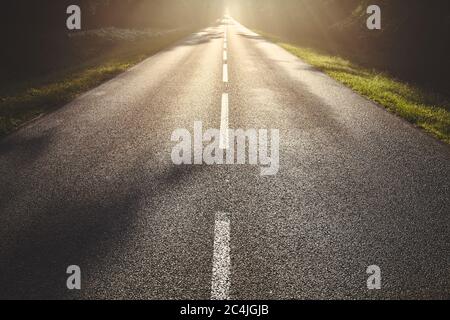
<point x="35" y="38"/>
<point x="413" y="43"/>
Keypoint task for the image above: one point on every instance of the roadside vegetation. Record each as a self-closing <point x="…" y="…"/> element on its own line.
<point x="44" y="64"/>
<point x="101" y="55"/>
<point x="404" y="66"/>
<point x="422" y="107"/>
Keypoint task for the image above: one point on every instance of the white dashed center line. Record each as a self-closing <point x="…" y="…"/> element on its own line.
<point x="220" y="283"/>
<point x="220" y="287"/>
<point x="224" y="140"/>
<point x="225" y="72"/>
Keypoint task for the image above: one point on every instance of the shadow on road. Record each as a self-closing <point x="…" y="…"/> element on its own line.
<point x="69" y="220"/>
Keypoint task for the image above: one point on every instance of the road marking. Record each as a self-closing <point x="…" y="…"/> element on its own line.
<point x="225" y="45"/>
<point x="220" y="284"/>
<point x="224" y="139"/>
<point x="225" y="56"/>
<point x="225" y="72"/>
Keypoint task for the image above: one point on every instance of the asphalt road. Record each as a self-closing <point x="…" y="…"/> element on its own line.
<point x="93" y="185"/>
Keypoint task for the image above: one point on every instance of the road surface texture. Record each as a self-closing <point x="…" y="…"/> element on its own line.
<point x="93" y="185"/>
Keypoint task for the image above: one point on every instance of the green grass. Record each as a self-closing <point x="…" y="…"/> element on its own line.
<point x="425" y="109"/>
<point x="24" y="101"/>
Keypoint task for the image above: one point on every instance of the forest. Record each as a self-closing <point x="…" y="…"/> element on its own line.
<point x="35" y="38"/>
<point x="413" y="42"/>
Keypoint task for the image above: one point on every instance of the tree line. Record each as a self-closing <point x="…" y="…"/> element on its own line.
<point x="31" y="31"/>
<point x="413" y="42"/>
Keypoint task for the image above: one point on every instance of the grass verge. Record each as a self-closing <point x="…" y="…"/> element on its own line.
<point x="427" y="110"/>
<point x="22" y="102"/>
